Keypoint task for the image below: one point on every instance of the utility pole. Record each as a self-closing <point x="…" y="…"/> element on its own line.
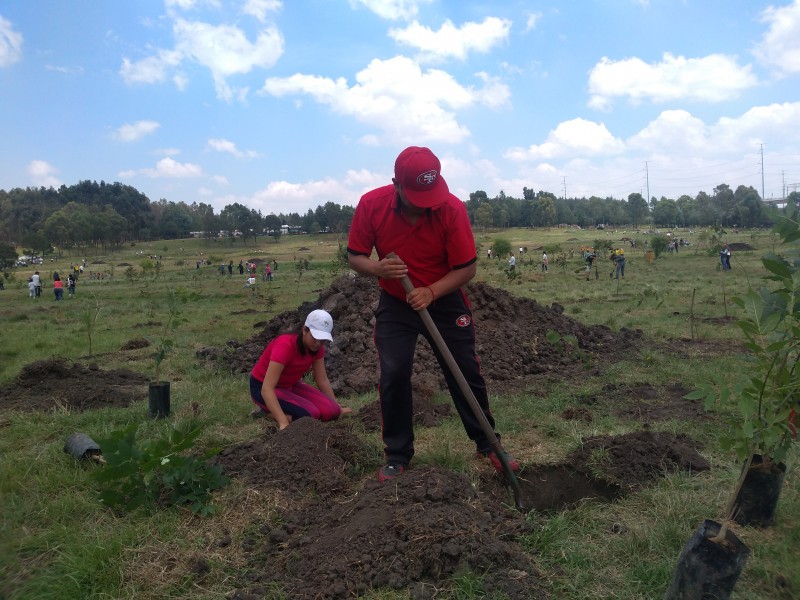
<point x="762" y="171"/>
<point x="647" y="177"/>
<point x="783" y="184"/>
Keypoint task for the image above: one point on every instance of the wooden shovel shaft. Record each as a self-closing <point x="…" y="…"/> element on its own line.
<point x="470" y="396"/>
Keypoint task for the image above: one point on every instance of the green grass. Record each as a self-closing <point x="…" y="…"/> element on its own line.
<point x="56" y="541"/>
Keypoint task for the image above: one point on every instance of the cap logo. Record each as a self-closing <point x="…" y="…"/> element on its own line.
<point x="428" y="177"/>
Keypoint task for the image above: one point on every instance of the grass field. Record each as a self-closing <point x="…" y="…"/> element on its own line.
<point x="57" y="541"/>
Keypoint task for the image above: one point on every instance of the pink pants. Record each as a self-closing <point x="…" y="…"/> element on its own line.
<point x="300" y="400"/>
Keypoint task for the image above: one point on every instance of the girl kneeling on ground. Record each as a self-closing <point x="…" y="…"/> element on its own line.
<point x="276" y="385"/>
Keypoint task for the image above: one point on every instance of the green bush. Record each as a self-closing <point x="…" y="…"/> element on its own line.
<point x="154" y="472"/>
<point x="658" y="244"/>
<point x="501" y="247"/>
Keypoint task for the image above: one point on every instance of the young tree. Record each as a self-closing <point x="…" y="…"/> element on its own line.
<point x="637" y="209"/>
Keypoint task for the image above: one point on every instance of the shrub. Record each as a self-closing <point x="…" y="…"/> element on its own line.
<point x="155" y="473"/>
<point x="658" y="244"/>
<point x="501" y="247"/>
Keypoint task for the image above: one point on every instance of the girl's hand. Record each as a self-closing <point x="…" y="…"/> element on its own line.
<point x="346" y="410"/>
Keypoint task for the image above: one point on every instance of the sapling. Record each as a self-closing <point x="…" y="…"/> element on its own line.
<point x="767" y="397"/>
<point x="89" y="317"/>
<point x="164" y="344"/>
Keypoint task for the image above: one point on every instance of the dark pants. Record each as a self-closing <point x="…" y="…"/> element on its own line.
<point x="397" y="327"/>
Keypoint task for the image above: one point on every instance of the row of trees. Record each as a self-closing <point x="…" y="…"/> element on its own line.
<point x="90" y="214"/>
<point x="742" y="207"/>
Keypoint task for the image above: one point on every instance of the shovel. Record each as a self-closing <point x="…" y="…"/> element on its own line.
<point x="467" y="391"/>
<point x="82" y="447"/>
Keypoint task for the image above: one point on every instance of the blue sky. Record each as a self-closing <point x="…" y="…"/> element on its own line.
<point x="285" y="105"/>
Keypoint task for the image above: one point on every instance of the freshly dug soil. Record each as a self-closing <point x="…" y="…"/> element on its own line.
<point x="635" y="459"/>
<point x="59" y="384"/>
<point x="341" y="532"/>
<point x="740" y="247"/>
<point x="511" y="338"/>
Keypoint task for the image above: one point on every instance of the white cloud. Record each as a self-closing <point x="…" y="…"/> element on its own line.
<point x="533" y="18"/>
<point x="65" y="70"/>
<point x="678" y="133"/>
<point x="673" y="130"/>
<point x="43" y="174"/>
<point x="187" y="5"/>
<point x="224" y="50"/>
<point x="131" y="132"/>
<point x="152" y="69"/>
<point x="451" y="41"/>
<point x="577" y="137"/>
<point x="167" y="152"/>
<point x="422" y="109"/>
<point x="10" y="43"/>
<point x="713" y="78"/>
<point x="260" y="8"/>
<point x="221" y="145"/>
<point x="168" y="168"/>
<point x="780" y="47"/>
<point x="392" y="9"/>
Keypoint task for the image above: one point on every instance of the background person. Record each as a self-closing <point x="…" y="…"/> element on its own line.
<point x="37" y="284"/>
<point x="58" y="286"/>
<point x="276" y="385"/>
<point x="428" y="228"/>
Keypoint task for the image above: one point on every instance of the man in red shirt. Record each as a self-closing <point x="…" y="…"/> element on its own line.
<point x="427" y="227"/>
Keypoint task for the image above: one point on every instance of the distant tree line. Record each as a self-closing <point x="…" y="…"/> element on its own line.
<point x="726" y="207"/>
<point x="91" y="214"/>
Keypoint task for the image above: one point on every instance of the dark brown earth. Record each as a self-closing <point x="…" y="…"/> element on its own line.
<point x="511" y="338"/>
<point x="59" y="384"/>
<point x="338" y="531"/>
<point x="342" y="532"/>
<point x="740" y="247"/>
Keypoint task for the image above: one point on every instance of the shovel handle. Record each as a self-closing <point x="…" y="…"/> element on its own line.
<point x="467" y="391"/>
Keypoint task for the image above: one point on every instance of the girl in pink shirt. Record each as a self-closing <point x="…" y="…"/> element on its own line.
<point x="276" y="385"/>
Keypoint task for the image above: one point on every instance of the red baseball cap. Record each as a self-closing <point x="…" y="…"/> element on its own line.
<point x="417" y="170"/>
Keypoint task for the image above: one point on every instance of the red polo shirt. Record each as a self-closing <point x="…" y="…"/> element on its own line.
<point x="439" y="242"/>
<point x="283" y="350"/>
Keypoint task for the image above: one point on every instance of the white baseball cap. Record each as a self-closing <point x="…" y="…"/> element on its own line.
<point x="320" y="324"/>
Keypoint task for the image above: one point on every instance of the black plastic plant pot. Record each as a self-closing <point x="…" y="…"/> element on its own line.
<point x="708" y="568"/>
<point x="758" y="497"/>
<point x="159" y="399"/>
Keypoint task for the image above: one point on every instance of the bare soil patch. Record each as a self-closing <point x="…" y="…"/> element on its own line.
<point x="59" y="384"/>
<point x="741" y="247"/>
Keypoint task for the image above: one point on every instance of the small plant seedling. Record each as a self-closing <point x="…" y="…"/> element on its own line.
<point x="154" y="473"/>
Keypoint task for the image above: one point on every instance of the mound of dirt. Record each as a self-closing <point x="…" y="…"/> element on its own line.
<point x="511" y="337"/>
<point x="354" y="534"/>
<point x="740" y="247"/>
<point x="635" y="459"/>
<point x="341" y="533"/>
<point x="135" y="344"/>
<point x="57" y="383"/>
<point x="307" y="456"/>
